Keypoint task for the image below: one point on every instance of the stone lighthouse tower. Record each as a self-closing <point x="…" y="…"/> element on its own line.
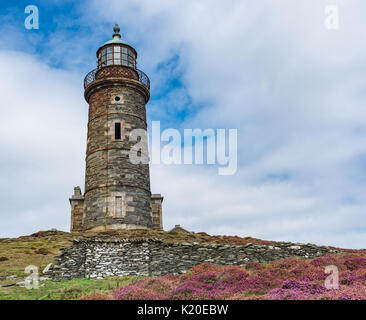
<point x="117" y="191"/>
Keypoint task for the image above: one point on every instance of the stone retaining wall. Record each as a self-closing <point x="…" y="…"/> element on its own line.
<point x="153" y="257"/>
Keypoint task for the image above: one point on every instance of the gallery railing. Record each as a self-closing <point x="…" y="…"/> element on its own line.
<point x="116" y="71"/>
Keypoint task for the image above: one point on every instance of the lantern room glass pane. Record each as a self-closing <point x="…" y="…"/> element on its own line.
<point x="130" y="61"/>
<point x="116" y="55"/>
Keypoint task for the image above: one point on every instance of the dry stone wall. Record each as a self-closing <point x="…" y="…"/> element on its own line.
<point x="153" y="257"/>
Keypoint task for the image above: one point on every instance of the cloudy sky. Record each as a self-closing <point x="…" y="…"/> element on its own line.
<point x="294" y="89"/>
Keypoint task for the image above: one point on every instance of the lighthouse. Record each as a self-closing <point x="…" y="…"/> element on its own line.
<point x="117" y="191"/>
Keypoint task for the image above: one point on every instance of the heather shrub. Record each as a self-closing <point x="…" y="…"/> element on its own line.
<point x="345" y="293"/>
<point x="202" y="287"/>
<point x="324" y="261"/>
<point x="284" y="294"/>
<point x="161" y="285"/>
<point x="253" y="266"/>
<point x="262" y="282"/>
<point x="96" y="296"/>
<point x="285" y="264"/>
<point x="132" y="292"/>
<point x="304" y="286"/>
<point x="287" y="279"/>
<point x="200" y="269"/>
<point x="349" y="278"/>
<point x="147" y="289"/>
<point x="294" y="289"/>
<point x="354" y="262"/>
<point x="233" y="276"/>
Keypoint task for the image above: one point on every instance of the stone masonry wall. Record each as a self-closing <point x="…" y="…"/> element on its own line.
<point x="157" y="211"/>
<point x="77" y="210"/>
<point x="152" y="257"/>
<point x="117" y="192"/>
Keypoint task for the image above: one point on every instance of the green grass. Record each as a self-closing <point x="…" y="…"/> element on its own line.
<point x="40" y="249"/>
<point x="65" y="290"/>
<point x="24" y="251"/>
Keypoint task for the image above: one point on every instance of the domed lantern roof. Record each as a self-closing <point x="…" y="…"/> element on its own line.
<point x="116" y="52"/>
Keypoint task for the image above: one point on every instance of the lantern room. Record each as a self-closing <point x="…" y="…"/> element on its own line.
<point x="116" y="52"/>
<point x="116" y="59"/>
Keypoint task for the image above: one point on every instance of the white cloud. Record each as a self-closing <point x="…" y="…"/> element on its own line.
<point x="294" y="90"/>
<point x="42" y="138"/>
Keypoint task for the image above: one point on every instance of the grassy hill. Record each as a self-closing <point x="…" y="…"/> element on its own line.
<point x="40" y="248"/>
<point x="288" y="278"/>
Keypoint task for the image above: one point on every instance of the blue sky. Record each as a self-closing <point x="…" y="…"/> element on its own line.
<point x="294" y="90"/>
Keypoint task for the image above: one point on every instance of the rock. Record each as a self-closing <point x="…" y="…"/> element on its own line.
<point x="295" y="247"/>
